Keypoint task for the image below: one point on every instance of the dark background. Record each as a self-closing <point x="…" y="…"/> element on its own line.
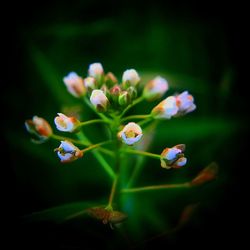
<point x="198" y="45"/>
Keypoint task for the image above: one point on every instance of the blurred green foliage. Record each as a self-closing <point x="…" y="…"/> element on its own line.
<point x="191" y="50"/>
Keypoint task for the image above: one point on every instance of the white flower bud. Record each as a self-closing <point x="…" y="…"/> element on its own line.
<point x="185" y="103"/>
<point x="165" y="109"/>
<point x="155" y="88"/>
<point x="99" y="100"/>
<point x="95" y="70"/>
<point x="131" y="76"/>
<point x="90" y="82"/>
<point x="74" y="84"/>
<point x="65" y="123"/>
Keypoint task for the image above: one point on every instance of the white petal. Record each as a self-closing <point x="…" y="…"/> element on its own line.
<point x="181" y="162"/>
<point x="132" y="140"/>
<point x="64" y="157"/>
<point x="67" y="146"/>
<point x="171" y="154"/>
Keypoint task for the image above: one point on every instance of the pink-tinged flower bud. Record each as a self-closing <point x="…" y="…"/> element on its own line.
<point x="165" y="109"/>
<point x="173" y="157"/>
<point x="155" y="88"/>
<point x="131" y="133"/>
<point x="116" y="90"/>
<point x="65" y="123"/>
<point x="74" y="84"/>
<point x="131" y="76"/>
<point x="68" y="152"/>
<point x="90" y="83"/>
<point x="95" y="70"/>
<point x="110" y="79"/>
<point x="99" y="100"/>
<point x="114" y="93"/>
<point x="39" y="127"/>
<point x="185" y="103"/>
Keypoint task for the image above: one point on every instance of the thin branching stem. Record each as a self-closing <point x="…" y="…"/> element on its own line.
<point x="155" y="187"/>
<point x="63" y="138"/>
<point x="138" y="152"/>
<point x="136" y="101"/>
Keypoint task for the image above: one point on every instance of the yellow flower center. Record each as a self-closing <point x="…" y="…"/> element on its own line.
<point x="131" y="134"/>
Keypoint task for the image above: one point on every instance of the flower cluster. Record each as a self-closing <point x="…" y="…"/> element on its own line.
<point x="111" y="99"/>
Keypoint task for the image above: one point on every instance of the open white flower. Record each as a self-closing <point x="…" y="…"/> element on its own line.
<point x="131" y="133"/>
<point x="185" y="102"/>
<point x="99" y="100"/>
<point x="166" y="109"/>
<point x="65" y="123"/>
<point x="68" y="152"/>
<point x="155" y="88"/>
<point x="95" y="70"/>
<point x="74" y="84"/>
<point x="131" y="76"/>
<point x="173" y="157"/>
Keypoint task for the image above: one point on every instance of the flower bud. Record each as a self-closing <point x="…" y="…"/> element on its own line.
<point x="155" y="88"/>
<point x="114" y="93"/>
<point x="68" y="152"/>
<point x="99" y="100"/>
<point x="116" y="90"/>
<point x="90" y="83"/>
<point x="132" y="92"/>
<point x="123" y="99"/>
<point x="65" y="123"/>
<point x="165" y="109"/>
<point x="185" y="103"/>
<point x="207" y="174"/>
<point x="173" y="157"/>
<point x="110" y="79"/>
<point x="95" y="70"/>
<point x="131" y="76"/>
<point x="39" y="127"/>
<point x="74" y="84"/>
<point x="131" y="133"/>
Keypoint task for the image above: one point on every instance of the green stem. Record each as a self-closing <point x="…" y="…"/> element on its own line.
<point x="155" y="187"/>
<point x="137" y="152"/>
<point x="102" y="116"/>
<point x="62" y="138"/>
<point x="106" y="151"/>
<point x="136" y="101"/>
<point x="132" y="117"/>
<point x="112" y="193"/>
<point x="95" y="146"/>
<point x="114" y="128"/>
<point x="148" y="119"/>
<point x="92" y="122"/>
<point x="136" y="171"/>
<point x="99" y="157"/>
